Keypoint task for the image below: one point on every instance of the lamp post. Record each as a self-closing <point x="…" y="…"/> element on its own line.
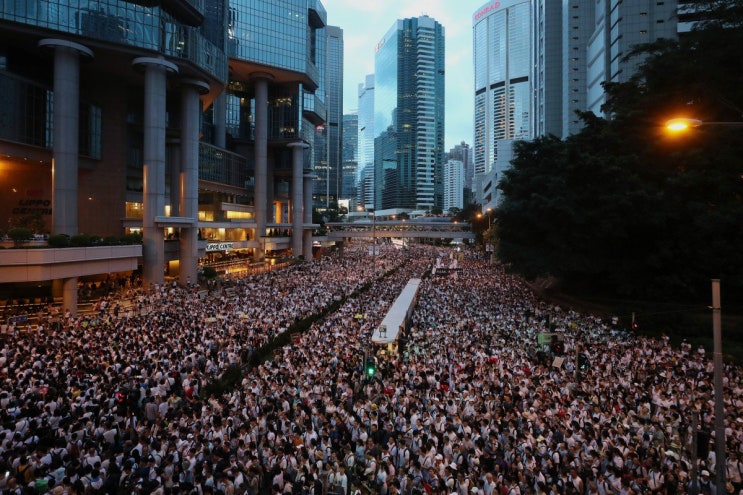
<point x="680" y="125"/>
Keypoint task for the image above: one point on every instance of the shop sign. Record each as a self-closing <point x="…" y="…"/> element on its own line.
<point x="219" y="246"/>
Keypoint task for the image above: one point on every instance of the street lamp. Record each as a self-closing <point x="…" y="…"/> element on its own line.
<point x="680" y="125"/>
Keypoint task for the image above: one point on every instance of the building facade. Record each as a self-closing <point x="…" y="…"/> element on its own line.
<point x="328" y="148"/>
<point x="350" y="157"/>
<point x="503" y="61"/>
<point x="618" y="27"/>
<point x="453" y="185"/>
<point x="409" y="115"/>
<point x="538" y="62"/>
<point x="192" y="123"/>
<point x="365" y="167"/>
<point x="463" y="153"/>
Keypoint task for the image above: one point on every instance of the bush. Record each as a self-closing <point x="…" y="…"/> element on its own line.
<point x="20" y="235"/>
<point x="80" y="240"/>
<point x="130" y="239"/>
<point x="58" y="240"/>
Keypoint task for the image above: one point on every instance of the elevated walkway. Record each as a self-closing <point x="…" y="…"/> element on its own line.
<point x="398" y="229"/>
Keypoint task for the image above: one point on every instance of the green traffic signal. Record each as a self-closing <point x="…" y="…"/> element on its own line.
<point x="370" y="369"/>
<point x="582" y="362"/>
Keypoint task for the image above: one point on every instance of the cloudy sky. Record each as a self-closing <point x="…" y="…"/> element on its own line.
<point x="364" y="23"/>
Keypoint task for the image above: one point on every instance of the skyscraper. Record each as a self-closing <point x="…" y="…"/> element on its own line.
<point x="328" y="170"/>
<point x="503" y="89"/>
<point x="453" y="185"/>
<point x="365" y="167"/>
<point x="463" y="153"/>
<point x="537" y="62"/>
<point x="619" y="26"/>
<point x="195" y="120"/>
<point x="409" y="115"/>
<point x="350" y="156"/>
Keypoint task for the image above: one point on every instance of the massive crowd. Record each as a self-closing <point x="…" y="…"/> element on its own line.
<point x="117" y="402"/>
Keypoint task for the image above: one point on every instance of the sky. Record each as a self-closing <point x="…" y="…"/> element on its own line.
<point x="364" y="23"/>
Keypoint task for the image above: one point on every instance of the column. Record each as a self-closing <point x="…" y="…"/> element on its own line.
<point x="270" y="195"/>
<point x="69" y="295"/>
<point x="261" y="81"/>
<point x="67" y="55"/>
<point x="189" y="177"/>
<point x="296" y="195"/>
<point x="173" y="154"/>
<point x="66" y="132"/>
<point x="153" y="248"/>
<point x="307" y="232"/>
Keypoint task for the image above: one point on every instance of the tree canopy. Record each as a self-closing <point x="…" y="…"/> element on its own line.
<point x="623" y="206"/>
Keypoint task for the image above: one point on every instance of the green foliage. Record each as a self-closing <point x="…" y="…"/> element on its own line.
<point x="19" y="235"/>
<point x="34" y="222"/>
<point x="81" y="240"/>
<point x="58" y="241"/>
<point x="131" y="239"/>
<point x="626" y="209"/>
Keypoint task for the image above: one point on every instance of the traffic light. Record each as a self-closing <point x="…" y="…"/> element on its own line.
<point x="370" y="368"/>
<point x="557" y="346"/>
<point x="582" y="362"/>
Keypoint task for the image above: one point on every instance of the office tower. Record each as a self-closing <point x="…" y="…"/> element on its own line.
<point x="366" y="142"/>
<point x="275" y="102"/>
<point x="578" y="24"/>
<point x="350" y="157"/>
<point x="463" y="153"/>
<point x="453" y="185"/>
<point x="329" y="149"/>
<point x="409" y="115"/>
<point x="190" y="122"/>
<point x="619" y="26"/>
<point x="503" y="89"/>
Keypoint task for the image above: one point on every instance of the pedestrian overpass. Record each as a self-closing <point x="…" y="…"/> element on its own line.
<point x="399" y="229"/>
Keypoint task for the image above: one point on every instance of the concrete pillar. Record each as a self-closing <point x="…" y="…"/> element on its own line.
<point x="173" y="155"/>
<point x="67" y="56"/>
<point x="270" y="194"/>
<point x="189" y="177"/>
<point x="69" y="295"/>
<point x="296" y="194"/>
<point x="261" y="81"/>
<point x="220" y="120"/>
<point x="153" y="248"/>
<point x="307" y="232"/>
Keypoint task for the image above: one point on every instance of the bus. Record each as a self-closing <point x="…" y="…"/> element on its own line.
<point x="396" y="322"/>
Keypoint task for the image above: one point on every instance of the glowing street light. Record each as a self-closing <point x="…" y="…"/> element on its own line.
<point x="683" y="124"/>
<point x="680" y="124"/>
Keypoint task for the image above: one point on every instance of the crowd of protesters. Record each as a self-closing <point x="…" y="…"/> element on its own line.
<point x="117" y="402"/>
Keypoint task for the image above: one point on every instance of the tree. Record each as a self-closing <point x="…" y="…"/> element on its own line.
<point x="33" y="222"/>
<point x="19" y="235"/>
<point x="620" y="207"/>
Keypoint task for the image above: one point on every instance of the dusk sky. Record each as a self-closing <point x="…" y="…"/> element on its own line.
<point x="365" y="23"/>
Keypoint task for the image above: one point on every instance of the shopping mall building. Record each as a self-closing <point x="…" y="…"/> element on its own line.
<point x="190" y="121"/>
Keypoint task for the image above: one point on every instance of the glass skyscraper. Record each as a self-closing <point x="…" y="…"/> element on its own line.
<point x="365" y="169"/>
<point x="409" y="115"/>
<point x="328" y="168"/>
<point x="191" y="122"/>
<point x="503" y="98"/>
<point x="350" y="156"/>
